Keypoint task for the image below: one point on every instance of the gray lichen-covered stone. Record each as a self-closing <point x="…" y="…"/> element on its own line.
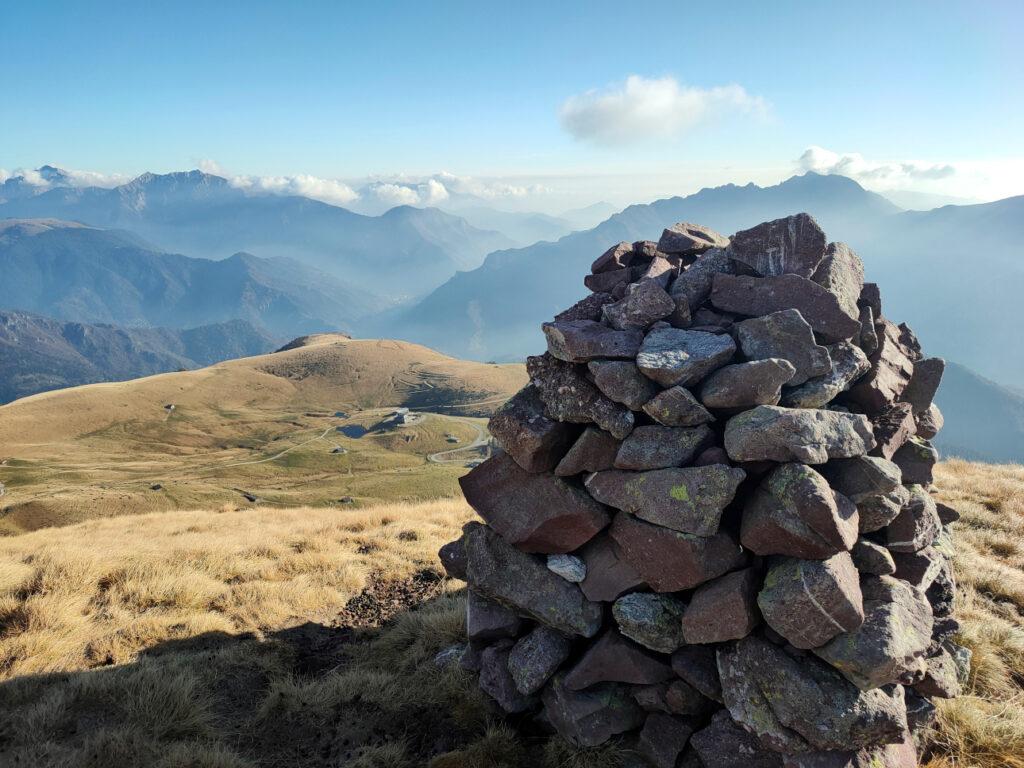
<point x="613" y="658"/>
<point x="794" y="512"/>
<point x="890" y="645"/>
<point x="609" y="575"/>
<point x="872" y="558"/>
<point x="518" y="580"/>
<point x="917" y="525"/>
<point x="725" y="744"/>
<point x="806" y="435"/>
<point x="650" y="619"/>
<point x="686" y="239"/>
<point x="487" y="620"/>
<point x="687" y="499"/>
<point x="535" y="512"/>
<point x="929" y="422"/>
<point x="591" y="717"/>
<point x="622" y="382"/>
<point x="593" y="451"/>
<point x="796" y="705"/>
<point x="497" y="682"/>
<point x="677" y="407"/>
<point x="577" y="341"/>
<point x="536" y="442"/>
<point x="849" y="363"/>
<point x="862" y="477"/>
<point x="940" y="680"/>
<point x="916" y="458"/>
<point x="877" y="511"/>
<point x="569" y="567"/>
<point x="743" y="385"/>
<point x="569" y="397"/>
<point x="536" y="657"/>
<point x="659" y="447"/>
<point x="787" y="335"/>
<point x="841" y="272"/>
<point x="723" y="609"/>
<point x="809" y="602"/>
<point x="453" y="558"/>
<point x="763" y="295"/>
<point x="672" y="356"/>
<point x="793" y="245"/>
<point x="644" y="303"/>
<point x="919" y="568"/>
<point x="695" y="283"/>
<point x="670" y="561"/>
<point x="902" y="755"/>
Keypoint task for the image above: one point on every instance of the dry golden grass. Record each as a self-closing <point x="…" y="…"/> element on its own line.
<point x="124" y="643"/>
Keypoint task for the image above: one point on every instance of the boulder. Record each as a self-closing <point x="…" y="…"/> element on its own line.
<point x="537" y="513"/>
<point x="916" y="458"/>
<point x="616" y="257"/>
<point x="724" y="744"/>
<point x="796" y="705"/>
<point x="902" y="755"/>
<point x="487" y="620"/>
<point x="536" y="657"/>
<point x="793" y="245"/>
<point x="784" y="334"/>
<point x="849" y="363"/>
<point x="805" y="435"/>
<point x="672" y="356"/>
<point x="940" y="679"/>
<point x="743" y="385"/>
<point x="929" y="422"/>
<point x="609" y="575"/>
<point x="890" y="645"/>
<point x="695" y="283"/>
<point x="453" y="559"/>
<point x="924" y="383"/>
<point x="644" y="303"/>
<point x="591" y="717"/>
<point x="916" y="526"/>
<point x="868" y="338"/>
<point x="919" y="568"/>
<point x="723" y="609"/>
<point x="759" y="296"/>
<point x="589" y="308"/>
<point x="659" y="447"/>
<point x="809" y="602"/>
<point x="652" y="620"/>
<point x="660" y="271"/>
<point x="606" y="282"/>
<point x="503" y="573"/>
<point x="794" y="512"/>
<point x="593" y="451"/>
<point x="569" y="567"/>
<point x="677" y="407"/>
<point x="577" y="341"/>
<point x="877" y="511"/>
<point x="622" y="382"/>
<point x="872" y="558"/>
<point x="569" y="397"/>
<point x="862" y="477"/>
<point x="892" y="427"/>
<point x="688" y="499"/>
<point x="663" y="739"/>
<point x="536" y="442"/>
<point x="841" y="272"/>
<point x="712" y="455"/>
<point x="497" y="682"/>
<point x="670" y="561"/>
<point x="697" y="665"/>
<point x="614" y="659"/>
<point x="889" y="374"/>
<point x="686" y="239"/>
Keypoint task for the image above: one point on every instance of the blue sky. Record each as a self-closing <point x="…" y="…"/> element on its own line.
<point x="916" y="95"/>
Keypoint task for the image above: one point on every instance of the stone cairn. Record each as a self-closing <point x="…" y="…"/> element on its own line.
<point x="709" y="533"/>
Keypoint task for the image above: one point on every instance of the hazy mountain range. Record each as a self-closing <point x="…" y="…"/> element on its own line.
<point x="38" y="354"/>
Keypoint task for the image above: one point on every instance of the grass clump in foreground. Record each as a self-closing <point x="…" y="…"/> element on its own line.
<point x="225" y="640"/>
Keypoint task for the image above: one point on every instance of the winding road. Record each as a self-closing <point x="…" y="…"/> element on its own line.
<point x="447" y="457"/>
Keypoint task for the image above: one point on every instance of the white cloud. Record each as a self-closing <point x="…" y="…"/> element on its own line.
<point x="882" y="174"/>
<point x="652" y="108"/>
<point x="326" y="190"/>
<point x="51" y="177"/>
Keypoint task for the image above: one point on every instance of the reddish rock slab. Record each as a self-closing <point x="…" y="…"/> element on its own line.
<point x="794" y="512"/>
<point x="725" y="744"/>
<point x="677" y="407"/>
<point x="593" y="451"/>
<point x="686" y="499"/>
<point x="841" y="272"/>
<point x="663" y="739"/>
<point x="536" y="442"/>
<point x="759" y="296"/>
<point x="590" y="717"/>
<point x="644" y="303"/>
<point x="809" y="602"/>
<point x="784" y="334"/>
<point x="609" y="575"/>
<point x="606" y="282"/>
<point x="793" y="245"/>
<point x="890" y="372"/>
<point x="569" y="397"/>
<point x="929" y="422"/>
<point x="614" y="659"/>
<point x="916" y="526"/>
<point x="588" y="308"/>
<point x="902" y="755"/>
<point x="670" y="561"/>
<point x="534" y="512"/>
<point x="578" y="341"/>
<point x="916" y="458"/>
<point x="658" y="447"/>
<point x="622" y="382"/>
<point x="924" y="383"/>
<point x="849" y="363"/>
<point x="616" y="257"/>
<point x="697" y="666"/>
<point x="487" y="620"/>
<point x="723" y="609"/>
<point x="686" y="239"/>
<point x="744" y="385"/>
<point x="892" y="427"/>
<point x="453" y="559"/>
<point x="694" y="284"/>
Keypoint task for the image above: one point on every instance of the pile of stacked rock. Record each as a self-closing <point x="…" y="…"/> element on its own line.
<point x="710" y="532"/>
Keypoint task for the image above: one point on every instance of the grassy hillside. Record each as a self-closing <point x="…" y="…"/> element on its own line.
<point x="251" y="639"/>
<point x="260" y="428"/>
